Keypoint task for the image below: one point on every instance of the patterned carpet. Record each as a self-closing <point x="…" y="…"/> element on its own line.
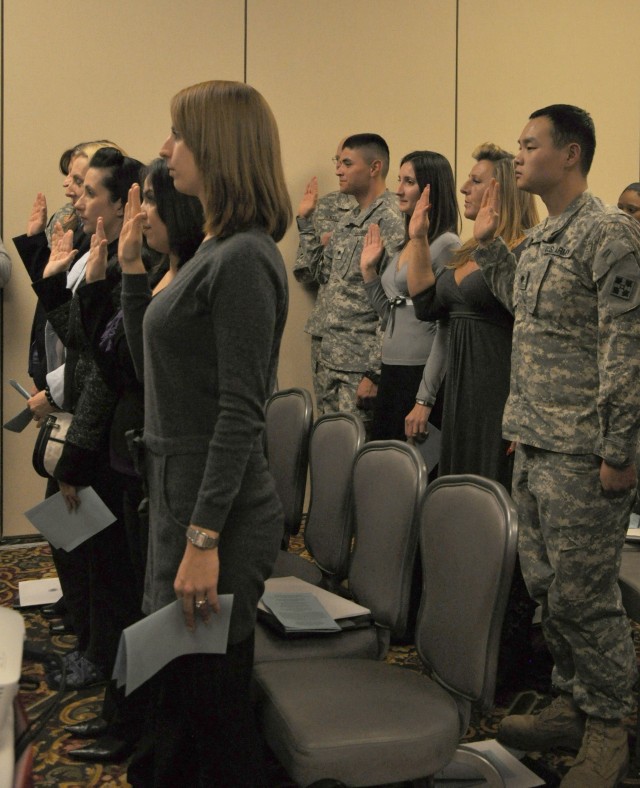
<point x="52" y="765"/>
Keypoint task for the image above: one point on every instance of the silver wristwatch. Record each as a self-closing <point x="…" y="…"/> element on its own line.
<point x="201" y="539"/>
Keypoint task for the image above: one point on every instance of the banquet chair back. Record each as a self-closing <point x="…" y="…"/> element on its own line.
<point x="468" y="531"/>
<point x="288" y="419"/>
<point x="363" y="722"/>
<point x="336" y="438"/>
<point x="388" y="481"/>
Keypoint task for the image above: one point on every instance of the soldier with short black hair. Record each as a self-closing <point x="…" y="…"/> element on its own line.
<point x="574" y="410"/>
<point x="316" y="219"/>
<point x="348" y="366"/>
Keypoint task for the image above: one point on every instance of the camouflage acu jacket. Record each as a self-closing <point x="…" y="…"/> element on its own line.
<point x="351" y="338"/>
<point x="329" y="210"/>
<point x="575" y="367"/>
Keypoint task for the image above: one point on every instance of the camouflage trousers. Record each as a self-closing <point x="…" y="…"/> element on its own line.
<point x="570" y="542"/>
<point x="317" y="370"/>
<point x="338" y="393"/>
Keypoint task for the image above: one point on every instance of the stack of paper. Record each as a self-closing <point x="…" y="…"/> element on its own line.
<point x="291" y="598"/>
<point x="298" y="614"/>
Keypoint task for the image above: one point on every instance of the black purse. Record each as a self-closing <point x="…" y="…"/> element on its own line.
<point x="50" y="442"/>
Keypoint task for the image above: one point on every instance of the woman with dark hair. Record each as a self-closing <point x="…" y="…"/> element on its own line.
<point x="46" y="366"/>
<point x="172" y="227"/>
<point x="211" y="345"/>
<point x="85" y="458"/>
<point x="405" y="398"/>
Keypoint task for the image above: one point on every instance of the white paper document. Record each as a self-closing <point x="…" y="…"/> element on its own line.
<point x="299" y="612"/>
<point x="336" y="606"/>
<point x="148" y="645"/>
<point x="513" y="773"/>
<point x="65" y="529"/>
<point x="633" y="531"/>
<point x="46" y="591"/>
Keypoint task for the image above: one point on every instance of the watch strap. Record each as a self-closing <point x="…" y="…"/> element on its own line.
<point x="201" y="539"/>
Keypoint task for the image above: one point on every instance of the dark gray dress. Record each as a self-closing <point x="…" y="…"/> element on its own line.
<point x="477" y="381"/>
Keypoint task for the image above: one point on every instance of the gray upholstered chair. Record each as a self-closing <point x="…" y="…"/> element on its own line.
<point x="389" y="478"/>
<point x="336" y="438"/>
<point x="288" y="419"/>
<point x="367" y="723"/>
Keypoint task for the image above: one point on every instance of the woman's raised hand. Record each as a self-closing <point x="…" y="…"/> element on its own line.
<point x="62" y="252"/>
<point x="419" y="222"/>
<point x="97" y="260"/>
<point x="38" y="216"/>
<point x="486" y="223"/>
<point x="372" y="252"/>
<point x="130" y="244"/>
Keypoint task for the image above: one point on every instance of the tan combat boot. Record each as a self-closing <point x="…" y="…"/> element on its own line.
<point x="603" y="758"/>
<point x="560" y="724"/>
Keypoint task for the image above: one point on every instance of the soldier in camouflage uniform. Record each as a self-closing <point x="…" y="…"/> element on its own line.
<point x="316" y="219"/>
<point x="349" y="362"/>
<point x="574" y="409"/>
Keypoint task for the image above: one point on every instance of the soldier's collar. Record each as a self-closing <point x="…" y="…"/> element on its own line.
<point x="552" y="226"/>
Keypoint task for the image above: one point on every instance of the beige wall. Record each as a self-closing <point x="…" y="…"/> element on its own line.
<point x="408" y="70"/>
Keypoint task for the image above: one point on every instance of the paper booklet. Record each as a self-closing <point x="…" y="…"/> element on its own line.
<point x="295" y="608"/>
<point x="633" y="531"/>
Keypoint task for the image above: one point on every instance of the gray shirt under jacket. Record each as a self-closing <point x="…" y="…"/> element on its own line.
<point x="408" y="341"/>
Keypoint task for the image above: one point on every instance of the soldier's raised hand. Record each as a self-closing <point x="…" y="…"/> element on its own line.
<point x="309" y="199"/>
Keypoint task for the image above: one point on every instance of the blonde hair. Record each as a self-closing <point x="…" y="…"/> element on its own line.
<point x="231" y="131"/>
<point x="89" y="148"/>
<point x="518" y="210"/>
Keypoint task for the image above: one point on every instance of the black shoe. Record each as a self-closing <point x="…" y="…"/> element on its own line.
<point x="56" y="610"/>
<point x="89" y="729"/>
<point x="106" y="748"/>
<point x="60" y="628"/>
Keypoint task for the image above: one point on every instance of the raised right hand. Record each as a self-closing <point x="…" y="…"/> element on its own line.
<point x="419" y="222"/>
<point x="97" y="260"/>
<point x="38" y="217"/>
<point x="62" y="252"/>
<point x="486" y="223"/>
<point x="130" y="243"/>
<point x="309" y="199"/>
<point x="372" y="251"/>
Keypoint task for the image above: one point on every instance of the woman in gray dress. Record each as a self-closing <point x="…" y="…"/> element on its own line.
<point x="211" y="344"/>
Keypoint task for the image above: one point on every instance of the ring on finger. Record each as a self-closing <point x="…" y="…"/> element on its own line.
<point x="200" y="603"/>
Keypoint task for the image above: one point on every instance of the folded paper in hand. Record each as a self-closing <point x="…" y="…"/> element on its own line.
<point x="64" y="529"/>
<point x="148" y="645"/>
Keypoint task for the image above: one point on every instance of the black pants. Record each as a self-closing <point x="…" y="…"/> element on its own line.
<point x="128" y="715"/>
<point x="114" y="604"/>
<point x="396" y="398"/>
<point x="202" y="729"/>
<point x="73" y="571"/>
